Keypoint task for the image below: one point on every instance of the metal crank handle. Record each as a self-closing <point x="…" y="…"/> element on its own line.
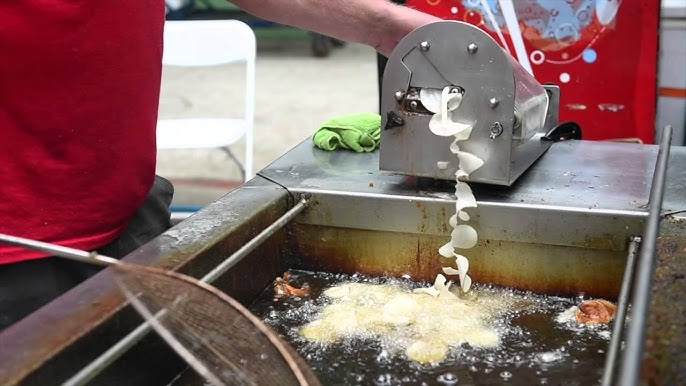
<point x="58" y="250"/>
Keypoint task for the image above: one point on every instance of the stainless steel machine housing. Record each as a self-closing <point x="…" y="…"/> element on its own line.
<point x="459" y="55"/>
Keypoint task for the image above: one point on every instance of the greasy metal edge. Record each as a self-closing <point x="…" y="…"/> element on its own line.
<point x="630" y="370"/>
<point x="620" y="315"/>
<point x="544" y="269"/>
<point x="529" y="223"/>
<point x="34" y="354"/>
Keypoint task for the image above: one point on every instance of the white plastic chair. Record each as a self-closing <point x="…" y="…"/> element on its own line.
<point x="201" y="43"/>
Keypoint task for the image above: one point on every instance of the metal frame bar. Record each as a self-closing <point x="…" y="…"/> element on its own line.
<point x="630" y="371"/>
<point x="58" y="250"/>
<point x="620" y="316"/>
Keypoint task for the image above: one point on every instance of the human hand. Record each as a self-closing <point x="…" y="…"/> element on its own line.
<point x="394" y="25"/>
<point x="377" y="23"/>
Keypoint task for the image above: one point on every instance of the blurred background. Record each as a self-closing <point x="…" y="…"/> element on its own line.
<point x="298" y="87"/>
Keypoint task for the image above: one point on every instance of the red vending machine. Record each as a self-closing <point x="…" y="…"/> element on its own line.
<point x="602" y="53"/>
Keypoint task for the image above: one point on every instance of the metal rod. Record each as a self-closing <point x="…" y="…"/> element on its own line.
<point x="58" y="250"/>
<point x="105" y="359"/>
<point x="255" y="242"/>
<point x="674" y="212"/>
<point x="95" y="367"/>
<point x="620" y="316"/>
<point x="635" y="340"/>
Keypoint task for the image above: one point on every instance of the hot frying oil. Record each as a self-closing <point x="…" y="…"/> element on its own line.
<point x="533" y="346"/>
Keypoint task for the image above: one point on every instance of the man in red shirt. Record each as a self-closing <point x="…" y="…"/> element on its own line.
<point x="79" y="89"/>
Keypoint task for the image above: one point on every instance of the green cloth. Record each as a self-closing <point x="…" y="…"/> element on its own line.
<point x="356" y="132"/>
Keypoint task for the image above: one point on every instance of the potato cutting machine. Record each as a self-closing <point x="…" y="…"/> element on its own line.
<point x="514" y="118"/>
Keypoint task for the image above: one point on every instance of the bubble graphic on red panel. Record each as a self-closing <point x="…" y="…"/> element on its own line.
<point x="537" y="57"/>
<point x="564" y="30"/>
<point x="590" y="55"/>
<point x="474" y="18"/>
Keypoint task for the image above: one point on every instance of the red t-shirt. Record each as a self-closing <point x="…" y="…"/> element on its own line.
<point x="79" y="90"/>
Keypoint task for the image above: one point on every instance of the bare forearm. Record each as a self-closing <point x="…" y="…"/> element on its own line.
<point x="377" y="23"/>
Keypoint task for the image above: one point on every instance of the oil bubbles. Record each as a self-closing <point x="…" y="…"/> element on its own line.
<point x="447" y="379"/>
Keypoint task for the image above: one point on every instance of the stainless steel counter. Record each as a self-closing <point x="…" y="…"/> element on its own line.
<point x="578" y="175"/>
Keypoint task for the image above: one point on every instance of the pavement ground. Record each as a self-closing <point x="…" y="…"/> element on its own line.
<point x="295" y="93"/>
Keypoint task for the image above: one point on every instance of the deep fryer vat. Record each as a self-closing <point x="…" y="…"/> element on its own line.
<point x="535" y="347"/>
<point x="360" y="221"/>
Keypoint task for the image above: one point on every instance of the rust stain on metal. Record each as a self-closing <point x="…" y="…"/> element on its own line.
<point x="548" y="269"/>
<point x="606" y="241"/>
<point x="535" y="267"/>
<point x="424" y="217"/>
<point x="371" y="253"/>
<point x="665" y="360"/>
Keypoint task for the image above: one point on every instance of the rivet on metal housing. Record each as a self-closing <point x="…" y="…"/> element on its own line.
<point x="424" y="46"/>
<point x="413" y="105"/>
<point x="393" y="120"/>
<point x="399" y="95"/>
<point x="493" y="102"/>
<point x="472" y="48"/>
<point x="496" y="130"/>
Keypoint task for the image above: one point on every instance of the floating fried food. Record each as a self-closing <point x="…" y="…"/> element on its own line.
<point x="427" y="351"/>
<point x="284" y="289"/>
<point x="422" y="325"/>
<point x="597" y="311"/>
